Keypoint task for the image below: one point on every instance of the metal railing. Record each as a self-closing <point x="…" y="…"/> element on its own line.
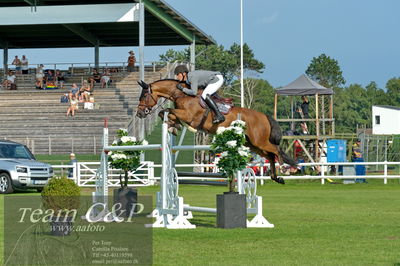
<point x="88" y="67"/>
<point x="84" y="173"/>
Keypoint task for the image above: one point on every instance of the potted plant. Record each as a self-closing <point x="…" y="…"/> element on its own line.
<point x="62" y="197"/>
<point x="127" y="161"/>
<point x="234" y="156"/>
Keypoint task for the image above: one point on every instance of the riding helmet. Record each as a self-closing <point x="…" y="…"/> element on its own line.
<point x="181" y="69"/>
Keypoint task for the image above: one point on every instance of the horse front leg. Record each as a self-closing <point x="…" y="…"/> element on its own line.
<point x="173" y="121"/>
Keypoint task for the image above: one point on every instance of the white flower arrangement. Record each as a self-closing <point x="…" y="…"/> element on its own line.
<point x="229" y="143"/>
<point x="128" y="161"/>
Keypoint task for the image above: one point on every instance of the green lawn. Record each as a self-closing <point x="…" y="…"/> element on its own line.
<point x="314" y="225"/>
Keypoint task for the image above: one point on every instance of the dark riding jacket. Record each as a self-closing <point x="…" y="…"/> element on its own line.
<point x="200" y="78"/>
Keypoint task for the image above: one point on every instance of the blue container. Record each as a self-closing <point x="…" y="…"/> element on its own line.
<point x="336" y="150"/>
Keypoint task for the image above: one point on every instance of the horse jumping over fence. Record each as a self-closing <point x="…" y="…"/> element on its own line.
<point x="262" y="132"/>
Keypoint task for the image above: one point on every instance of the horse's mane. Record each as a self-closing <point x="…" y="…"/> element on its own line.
<point x="169" y="80"/>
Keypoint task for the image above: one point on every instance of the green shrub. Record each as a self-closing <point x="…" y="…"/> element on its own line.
<point x="61" y="194"/>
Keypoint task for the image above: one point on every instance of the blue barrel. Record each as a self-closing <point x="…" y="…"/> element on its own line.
<point x="336" y="149"/>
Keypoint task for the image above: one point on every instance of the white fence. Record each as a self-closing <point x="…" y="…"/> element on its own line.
<point x="84" y="173"/>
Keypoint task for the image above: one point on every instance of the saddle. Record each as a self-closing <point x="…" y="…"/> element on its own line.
<point x="224" y="104"/>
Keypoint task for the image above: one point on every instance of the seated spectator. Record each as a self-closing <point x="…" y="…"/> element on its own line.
<point x="105" y="78"/>
<point x="85" y="92"/>
<point x="50" y="78"/>
<point x="60" y="79"/>
<point x="74" y="91"/>
<point x="96" y="77"/>
<point x="72" y="106"/>
<point x="39" y="77"/>
<point x="9" y="83"/>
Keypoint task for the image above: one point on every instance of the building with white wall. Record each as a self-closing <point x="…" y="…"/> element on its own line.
<point x="385" y="120"/>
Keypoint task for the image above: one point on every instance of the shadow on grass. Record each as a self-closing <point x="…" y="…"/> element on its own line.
<point x="204" y="220"/>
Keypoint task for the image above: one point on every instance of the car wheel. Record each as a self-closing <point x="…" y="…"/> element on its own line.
<point x="5" y="184"/>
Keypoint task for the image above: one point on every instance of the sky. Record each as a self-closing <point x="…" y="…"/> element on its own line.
<point x="362" y="35"/>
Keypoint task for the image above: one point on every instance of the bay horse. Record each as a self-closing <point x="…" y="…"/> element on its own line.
<point x="263" y="133"/>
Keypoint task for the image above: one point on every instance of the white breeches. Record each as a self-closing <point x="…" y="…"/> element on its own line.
<point x="212" y="88"/>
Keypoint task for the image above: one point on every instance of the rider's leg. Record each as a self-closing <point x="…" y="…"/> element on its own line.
<point x="209" y="90"/>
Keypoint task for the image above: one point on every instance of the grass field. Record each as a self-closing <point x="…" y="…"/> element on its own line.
<point x="314" y="225"/>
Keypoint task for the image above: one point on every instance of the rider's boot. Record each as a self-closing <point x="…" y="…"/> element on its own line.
<point x="218" y="118"/>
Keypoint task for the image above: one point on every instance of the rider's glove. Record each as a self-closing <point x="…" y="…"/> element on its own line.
<point x="179" y="86"/>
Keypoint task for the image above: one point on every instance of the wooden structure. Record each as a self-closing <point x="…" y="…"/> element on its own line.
<point x="322" y="112"/>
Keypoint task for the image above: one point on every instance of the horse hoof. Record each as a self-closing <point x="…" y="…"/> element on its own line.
<point x="173" y="131"/>
<point x="279" y="180"/>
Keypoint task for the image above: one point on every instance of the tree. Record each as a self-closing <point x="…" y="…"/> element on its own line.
<point x="393" y="91"/>
<point x="326" y="71"/>
<point x="259" y="94"/>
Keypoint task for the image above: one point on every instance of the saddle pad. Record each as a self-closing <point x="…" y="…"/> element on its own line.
<point x="222" y="107"/>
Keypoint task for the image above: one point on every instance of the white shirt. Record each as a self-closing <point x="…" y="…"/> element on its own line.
<point x="11" y="78"/>
<point x="24" y="63"/>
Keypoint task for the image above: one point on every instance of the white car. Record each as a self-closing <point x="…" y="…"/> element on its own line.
<point x="20" y="170"/>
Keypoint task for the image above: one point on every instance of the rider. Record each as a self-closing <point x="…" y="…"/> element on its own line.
<point x="211" y="80"/>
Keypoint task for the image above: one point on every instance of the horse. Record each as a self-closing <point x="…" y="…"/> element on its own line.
<point x="263" y="133"/>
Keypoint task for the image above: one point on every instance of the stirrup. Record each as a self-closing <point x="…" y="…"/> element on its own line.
<point x="218" y="120"/>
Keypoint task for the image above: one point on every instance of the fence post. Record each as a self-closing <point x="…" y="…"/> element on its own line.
<point x="150" y="173"/>
<point x="94" y="144"/>
<point x="76" y="174"/>
<point x="385" y="172"/>
<point x="49" y="145"/>
<point x="322" y="174"/>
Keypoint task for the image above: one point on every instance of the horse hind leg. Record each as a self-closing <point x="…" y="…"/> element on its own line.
<point x="271" y="151"/>
<point x="271" y="158"/>
<point x="274" y="176"/>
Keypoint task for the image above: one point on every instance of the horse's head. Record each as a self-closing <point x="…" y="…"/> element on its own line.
<point x="152" y="92"/>
<point x="146" y="100"/>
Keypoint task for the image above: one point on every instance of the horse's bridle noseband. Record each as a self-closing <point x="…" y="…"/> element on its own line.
<point x="148" y="93"/>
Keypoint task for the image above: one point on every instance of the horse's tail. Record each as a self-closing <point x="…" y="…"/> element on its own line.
<point x="275" y="138"/>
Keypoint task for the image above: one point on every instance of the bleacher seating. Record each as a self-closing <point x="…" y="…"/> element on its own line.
<point x="38" y="119"/>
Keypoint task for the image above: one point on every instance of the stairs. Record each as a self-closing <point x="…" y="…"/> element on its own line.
<point x="38" y="119"/>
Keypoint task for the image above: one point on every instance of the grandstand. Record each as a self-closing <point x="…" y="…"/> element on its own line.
<point x="38" y="119"/>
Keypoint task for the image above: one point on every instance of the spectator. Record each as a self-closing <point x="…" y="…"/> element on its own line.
<point x="24" y="65"/>
<point x="50" y="78"/>
<point x="358" y="157"/>
<point x="9" y="83"/>
<point x="60" y="79"/>
<point x="131" y="61"/>
<point x="74" y="91"/>
<point x="72" y="106"/>
<point x="17" y="63"/>
<point x="105" y="79"/>
<point x="96" y="77"/>
<point x="303" y="112"/>
<point x="39" y="77"/>
<point x="72" y="161"/>
<point x="85" y="92"/>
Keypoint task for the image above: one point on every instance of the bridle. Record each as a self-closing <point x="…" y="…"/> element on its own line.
<point x="147" y="93"/>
